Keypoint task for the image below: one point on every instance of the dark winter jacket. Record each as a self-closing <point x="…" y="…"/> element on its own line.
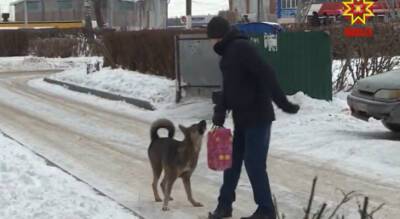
<point x="315" y="21"/>
<point x="249" y="83"/>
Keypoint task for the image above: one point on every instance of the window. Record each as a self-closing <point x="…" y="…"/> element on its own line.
<point x="126" y="5"/>
<point x="33" y="5"/>
<point x="288" y="4"/>
<point x="64" y="4"/>
<point x="283" y="3"/>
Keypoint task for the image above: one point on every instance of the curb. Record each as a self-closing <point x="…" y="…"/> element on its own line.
<point x="139" y="103"/>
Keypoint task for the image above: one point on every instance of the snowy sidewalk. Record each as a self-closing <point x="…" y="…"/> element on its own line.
<point x="30" y="188"/>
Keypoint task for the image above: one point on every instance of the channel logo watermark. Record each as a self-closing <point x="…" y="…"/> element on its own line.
<point x="358" y="12"/>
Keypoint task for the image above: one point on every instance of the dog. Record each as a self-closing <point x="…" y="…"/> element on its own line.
<point x="178" y="159"/>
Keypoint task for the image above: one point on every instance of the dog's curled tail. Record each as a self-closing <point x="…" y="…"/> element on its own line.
<point x="159" y="124"/>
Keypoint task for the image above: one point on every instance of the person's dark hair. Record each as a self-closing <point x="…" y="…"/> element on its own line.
<point x="218" y="27"/>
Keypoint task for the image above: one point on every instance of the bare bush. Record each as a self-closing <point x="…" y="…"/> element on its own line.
<point x="13" y="43"/>
<point x="44" y="42"/>
<point x="355" y="69"/>
<point x="53" y="47"/>
<point x="67" y="46"/>
<point x="324" y="212"/>
<point x="364" y="57"/>
<point x="148" y="51"/>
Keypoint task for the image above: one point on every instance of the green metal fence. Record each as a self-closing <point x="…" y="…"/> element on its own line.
<point x="302" y="61"/>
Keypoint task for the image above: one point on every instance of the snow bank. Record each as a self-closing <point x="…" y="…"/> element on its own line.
<point x="159" y="91"/>
<point x="31" y="63"/>
<point x="31" y="189"/>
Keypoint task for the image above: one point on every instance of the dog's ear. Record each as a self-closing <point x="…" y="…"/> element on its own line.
<point x="183" y="129"/>
<point x="202" y="126"/>
<point x="203" y="123"/>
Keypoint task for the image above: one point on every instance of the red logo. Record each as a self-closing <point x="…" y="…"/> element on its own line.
<point x="358" y="11"/>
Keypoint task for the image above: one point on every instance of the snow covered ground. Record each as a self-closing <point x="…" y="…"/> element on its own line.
<point x="325" y="132"/>
<point x="322" y="132"/>
<point x="30" y="188"/>
<point x="32" y="63"/>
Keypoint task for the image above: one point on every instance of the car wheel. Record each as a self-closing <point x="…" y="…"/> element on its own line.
<point x="392" y="126"/>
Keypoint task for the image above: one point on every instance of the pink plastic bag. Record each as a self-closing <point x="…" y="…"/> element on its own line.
<point x="219" y="149"/>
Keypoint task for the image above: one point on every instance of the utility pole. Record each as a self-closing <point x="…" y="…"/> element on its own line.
<point x="110" y="13"/>
<point x="88" y="19"/>
<point x="26" y="13"/>
<point x="188" y="14"/>
<point x="259" y="10"/>
<point x="157" y="14"/>
<point x="166" y="13"/>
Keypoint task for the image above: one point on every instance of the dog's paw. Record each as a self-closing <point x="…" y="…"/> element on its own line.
<point x="165" y="208"/>
<point x="158" y="200"/>
<point x="197" y="204"/>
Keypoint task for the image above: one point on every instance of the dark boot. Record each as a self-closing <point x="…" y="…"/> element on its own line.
<point x="260" y="214"/>
<point x="220" y="213"/>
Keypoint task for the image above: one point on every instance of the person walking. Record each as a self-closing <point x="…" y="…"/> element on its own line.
<point x="315" y="21"/>
<point x="249" y="87"/>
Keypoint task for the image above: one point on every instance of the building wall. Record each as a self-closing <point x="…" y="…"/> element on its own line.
<point x="129" y="15"/>
<point x="140" y="15"/>
<point x="157" y="13"/>
<point x="50" y="10"/>
<point x="250" y="7"/>
<point x="34" y="11"/>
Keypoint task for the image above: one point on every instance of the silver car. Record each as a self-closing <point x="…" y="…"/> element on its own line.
<point x="378" y="97"/>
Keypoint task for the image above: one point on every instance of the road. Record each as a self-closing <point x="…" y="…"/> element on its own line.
<point x="108" y="150"/>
